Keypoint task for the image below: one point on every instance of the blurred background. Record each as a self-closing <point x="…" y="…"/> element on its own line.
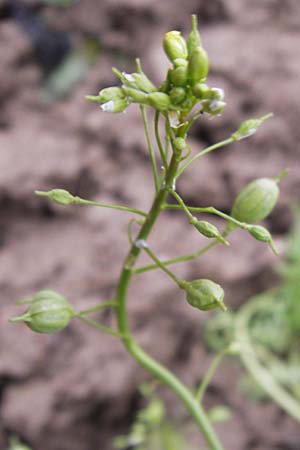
<point x="76" y="390"/>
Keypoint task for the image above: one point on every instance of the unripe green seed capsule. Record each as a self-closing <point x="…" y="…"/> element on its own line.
<point x="159" y="101"/>
<point x="198" y="65"/>
<point x="262" y="234"/>
<point x="209" y="230"/>
<point x="50" y="312"/>
<point x="179" y="76"/>
<point x="175" y="46"/>
<point x="204" y="294"/>
<point x="177" y="95"/>
<point x="256" y="200"/>
<point x="60" y="196"/>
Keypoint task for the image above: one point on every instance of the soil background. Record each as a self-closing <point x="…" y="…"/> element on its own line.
<point x="77" y="389"/>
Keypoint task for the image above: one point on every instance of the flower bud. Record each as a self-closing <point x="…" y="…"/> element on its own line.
<point x="194" y="39"/>
<point x="180" y="62"/>
<point x="256" y="200"/>
<point x="107" y="94"/>
<point x="249" y="127"/>
<point x="114" y="106"/>
<point x="159" y="101"/>
<point x="216" y="94"/>
<point x="179" y="143"/>
<point x="177" y="95"/>
<point x="48" y="313"/>
<point x="111" y="93"/>
<point x="209" y="230"/>
<point x="201" y="91"/>
<point x="142" y="83"/>
<point x="198" y="65"/>
<point x="60" y="196"/>
<point x="204" y="294"/>
<point x="174" y="45"/>
<point x="179" y="76"/>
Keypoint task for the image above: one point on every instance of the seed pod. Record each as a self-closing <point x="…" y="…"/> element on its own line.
<point x="204" y="294"/>
<point x="201" y="91"/>
<point x="60" y="196"/>
<point x="256" y="200"/>
<point x="198" y="65"/>
<point x="209" y="230"/>
<point x="249" y="127"/>
<point x="262" y="234"/>
<point x="175" y="46"/>
<point x="159" y="101"/>
<point x="194" y="39"/>
<point x="177" y="95"/>
<point x="179" y="76"/>
<point x="50" y="312"/>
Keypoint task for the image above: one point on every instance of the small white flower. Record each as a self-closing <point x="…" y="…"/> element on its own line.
<point x="128" y="77"/>
<point x="218" y="93"/>
<point x="108" y="106"/>
<point x="215" y="105"/>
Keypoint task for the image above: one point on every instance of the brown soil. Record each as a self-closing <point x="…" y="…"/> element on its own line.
<point x="76" y="389"/>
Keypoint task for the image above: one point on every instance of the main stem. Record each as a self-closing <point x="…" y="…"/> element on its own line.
<point x="156" y="369"/>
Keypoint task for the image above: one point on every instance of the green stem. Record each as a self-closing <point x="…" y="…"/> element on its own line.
<point x="209" y="374"/>
<point x="178" y="259"/>
<point x="182" y="205"/>
<point x="159" y="144"/>
<point x="208" y="210"/>
<point x="202" y="153"/>
<point x="81" y="201"/>
<point x="150" y="147"/>
<point x="100" y="327"/>
<point x="97" y="308"/>
<point x="146" y="361"/>
<point x="162" y="266"/>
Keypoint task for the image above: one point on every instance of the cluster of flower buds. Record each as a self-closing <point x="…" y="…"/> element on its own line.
<point x="184" y="86"/>
<point x="48" y="312"/>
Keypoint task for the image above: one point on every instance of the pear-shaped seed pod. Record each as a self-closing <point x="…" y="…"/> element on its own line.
<point x="256" y="200"/>
<point x="204" y="294"/>
<point x="48" y="313"/>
